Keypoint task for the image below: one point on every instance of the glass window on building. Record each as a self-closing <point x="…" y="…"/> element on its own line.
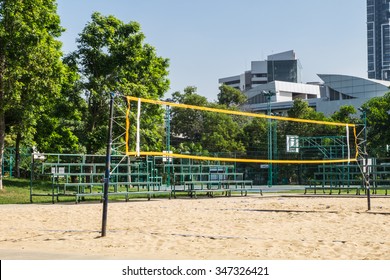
<point x="334" y="94"/>
<point x="283" y="70"/>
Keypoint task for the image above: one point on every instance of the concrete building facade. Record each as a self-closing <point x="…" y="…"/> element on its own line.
<point x="278" y="67"/>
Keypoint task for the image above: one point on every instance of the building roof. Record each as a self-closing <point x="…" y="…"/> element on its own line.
<point x="349" y="90"/>
<point x="288" y="55"/>
<point x="355" y="87"/>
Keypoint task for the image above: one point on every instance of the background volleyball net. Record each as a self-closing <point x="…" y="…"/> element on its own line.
<point x="213" y="134"/>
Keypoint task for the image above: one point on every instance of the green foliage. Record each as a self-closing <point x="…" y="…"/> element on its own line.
<point x="189" y="148"/>
<point x="112" y="57"/>
<point x="345" y="114"/>
<point x="185" y="122"/>
<point x="221" y="132"/>
<point x="58" y="126"/>
<point x="378" y="120"/>
<point x="213" y="132"/>
<point x="33" y="65"/>
<point x="301" y="110"/>
<point x="255" y="135"/>
<point x="230" y="96"/>
<point x="30" y="65"/>
<point x="56" y="136"/>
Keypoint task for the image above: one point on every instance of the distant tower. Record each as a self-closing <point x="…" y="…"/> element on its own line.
<point x="378" y="39"/>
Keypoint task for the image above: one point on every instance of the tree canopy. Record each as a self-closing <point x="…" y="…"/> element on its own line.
<point x="31" y="69"/>
<point x="112" y="57"/>
<point x="378" y="119"/>
<point x="230" y="96"/>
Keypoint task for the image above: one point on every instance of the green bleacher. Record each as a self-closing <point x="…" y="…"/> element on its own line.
<point x="82" y="176"/>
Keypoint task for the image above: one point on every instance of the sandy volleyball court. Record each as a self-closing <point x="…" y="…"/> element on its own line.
<point x="253" y="227"/>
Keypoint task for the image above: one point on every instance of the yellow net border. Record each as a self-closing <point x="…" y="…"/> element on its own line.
<point x="239" y="113"/>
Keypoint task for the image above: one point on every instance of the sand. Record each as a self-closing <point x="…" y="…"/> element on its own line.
<point x="272" y="227"/>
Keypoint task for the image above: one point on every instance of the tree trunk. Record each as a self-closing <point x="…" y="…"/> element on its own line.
<point x="2" y="139"/>
<point x="2" y="116"/>
<point x="3" y="44"/>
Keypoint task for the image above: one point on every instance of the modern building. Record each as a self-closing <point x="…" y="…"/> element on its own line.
<point x="378" y="39"/>
<point x="279" y="74"/>
<point x="285" y="94"/>
<point x="278" y="67"/>
<point x="342" y="90"/>
<point x="326" y="97"/>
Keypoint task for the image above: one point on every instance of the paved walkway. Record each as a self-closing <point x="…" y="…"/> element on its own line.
<point x="281" y="188"/>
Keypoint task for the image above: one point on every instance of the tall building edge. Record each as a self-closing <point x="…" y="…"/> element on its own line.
<point x="378" y="39"/>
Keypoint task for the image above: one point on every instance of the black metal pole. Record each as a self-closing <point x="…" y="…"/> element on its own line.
<point x="108" y="164"/>
<point x="366" y="173"/>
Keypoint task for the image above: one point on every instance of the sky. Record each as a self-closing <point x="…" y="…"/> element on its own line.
<point x="210" y="39"/>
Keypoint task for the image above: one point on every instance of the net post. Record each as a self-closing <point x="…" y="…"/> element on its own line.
<point x="168" y="142"/>
<point x="107" y="172"/>
<point x="365" y="158"/>
<point x="366" y="174"/>
<point x="269" y="95"/>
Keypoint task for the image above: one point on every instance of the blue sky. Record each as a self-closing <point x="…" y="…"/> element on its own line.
<point x="209" y="39"/>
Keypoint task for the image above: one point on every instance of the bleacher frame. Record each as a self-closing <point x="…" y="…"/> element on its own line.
<point x="81" y="176"/>
<point x="210" y="177"/>
<point x="85" y="177"/>
<point x="349" y="177"/>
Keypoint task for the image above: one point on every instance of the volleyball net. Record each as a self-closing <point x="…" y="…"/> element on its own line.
<point x="254" y="137"/>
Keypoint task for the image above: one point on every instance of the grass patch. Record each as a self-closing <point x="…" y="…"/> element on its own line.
<point x="17" y="191"/>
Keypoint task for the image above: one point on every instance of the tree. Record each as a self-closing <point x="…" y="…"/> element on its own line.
<point x="112" y="57"/>
<point x="230" y="96"/>
<point x="59" y="127"/>
<point x="302" y="110"/>
<point x="30" y="64"/>
<point x="207" y="131"/>
<point x="185" y="122"/>
<point x="378" y="119"/>
<point x="255" y="136"/>
<point x="345" y="114"/>
<point x="222" y="133"/>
